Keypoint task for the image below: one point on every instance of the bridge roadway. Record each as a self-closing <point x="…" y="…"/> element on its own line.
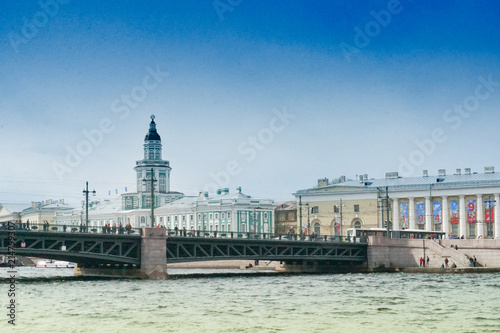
<point x="131" y="250"/>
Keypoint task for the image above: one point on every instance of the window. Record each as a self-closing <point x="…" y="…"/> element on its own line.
<point x="336" y="209"/>
<point x="199" y="217"/>
<point x="314" y="210"/>
<point x="216" y="216"/>
<point x="223" y="216"/>
<point x="183" y="218"/>
<point x="357" y="225"/>
<point x="317" y="228"/>
<point x="228" y="215"/>
<point x="191" y="218"/>
<point x="168" y="218"/>
<point x="356" y="208"/>
<point x="266" y="215"/>
<point x="210" y="216"/>
<point x="148" y="200"/>
<point x="175" y="218"/>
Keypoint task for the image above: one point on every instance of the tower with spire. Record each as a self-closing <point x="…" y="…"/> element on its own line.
<point x="152" y="169"/>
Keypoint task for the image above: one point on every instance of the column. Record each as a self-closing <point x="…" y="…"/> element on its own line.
<point x="462" y="225"/>
<point x="480" y="216"/>
<point x="496" y="217"/>
<point x="395" y="214"/>
<point x="428" y="214"/>
<point x="445" y="218"/>
<point x="381" y="213"/>
<point x="411" y="212"/>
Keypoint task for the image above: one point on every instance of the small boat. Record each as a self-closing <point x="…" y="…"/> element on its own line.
<point x="54" y="264"/>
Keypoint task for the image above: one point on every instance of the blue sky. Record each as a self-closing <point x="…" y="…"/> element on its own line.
<point x="365" y="89"/>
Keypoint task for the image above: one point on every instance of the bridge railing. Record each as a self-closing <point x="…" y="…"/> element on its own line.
<point x="121" y="230"/>
<point x="66" y="228"/>
<point x="263" y="236"/>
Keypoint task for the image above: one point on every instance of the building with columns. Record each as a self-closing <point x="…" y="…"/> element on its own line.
<point x="460" y="204"/>
<point x="151" y="166"/>
<point x="222" y="212"/>
<point x="132" y="207"/>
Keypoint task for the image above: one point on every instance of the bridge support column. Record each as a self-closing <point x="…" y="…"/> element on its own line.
<point x="153" y="259"/>
<point x="154" y="253"/>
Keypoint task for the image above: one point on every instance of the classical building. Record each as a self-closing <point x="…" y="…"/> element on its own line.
<point x="34" y="214"/>
<point x="132" y="207"/>
<point x="461" y="204"/>
<point x="285" y="217"/>
<point x="152" y="166"/>
<point x="222" y="212"/>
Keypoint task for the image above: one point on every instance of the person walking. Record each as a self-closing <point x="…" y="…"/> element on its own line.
<point x="446" y="262"/>
<point x="427" y="261"/>
<point x="474" y="261"/>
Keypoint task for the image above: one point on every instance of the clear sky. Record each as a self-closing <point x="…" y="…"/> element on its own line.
<point x="266" y="95"/>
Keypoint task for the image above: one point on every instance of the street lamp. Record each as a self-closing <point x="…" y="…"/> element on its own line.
<point x="86" y="193"/>
<point x="308" y="223"/>
<point x="152" y="180"/>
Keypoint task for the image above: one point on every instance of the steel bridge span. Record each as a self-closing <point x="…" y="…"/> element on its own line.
<point x="152" y="249"/>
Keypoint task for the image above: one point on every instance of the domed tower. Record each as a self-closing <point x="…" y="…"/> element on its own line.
<point x="152" y="161"/>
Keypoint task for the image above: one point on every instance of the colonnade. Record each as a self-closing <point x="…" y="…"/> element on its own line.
<point x="475" y="213"/>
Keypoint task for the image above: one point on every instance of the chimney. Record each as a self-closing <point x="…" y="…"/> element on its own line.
<point x="322" y="182"/>
<point x="442" y="172"/>
<point x="467" y="171"/>
<point x="205" y="195"/>
<point x="489" y="169"/>
<point x="426" y="173"/>
<point x="365" y="177"/>
<point x="459" y="172"/>
<point x="342" y="179"/>
<point x="219" y="191"/>
<point x="391" y="175"/>
<point x="360" y="178"/>
<point x="226" y="190"/>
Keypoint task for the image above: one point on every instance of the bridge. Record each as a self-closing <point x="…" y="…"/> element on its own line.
<point x="146" y="251"/>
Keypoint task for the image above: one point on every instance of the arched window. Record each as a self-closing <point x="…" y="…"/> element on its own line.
<point x="317" y="228"/>
<point x="357" y="225"/>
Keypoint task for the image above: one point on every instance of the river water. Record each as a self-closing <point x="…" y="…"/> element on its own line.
<point x="53" y="300"/>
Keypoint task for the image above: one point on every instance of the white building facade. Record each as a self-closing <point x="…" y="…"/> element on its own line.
<point x="223" y="212"/>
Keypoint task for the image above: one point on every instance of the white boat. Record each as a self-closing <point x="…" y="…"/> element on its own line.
<point x="54" y="264"/>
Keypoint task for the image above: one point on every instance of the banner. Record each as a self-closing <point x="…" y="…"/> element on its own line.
<point x="454" y="211"/>
<point x="403" y="208"/>
<point x="420" y="213"/>
<point x="471" y="211"/>
<point x="489" y="209"/>
<point x="436" y="209"/>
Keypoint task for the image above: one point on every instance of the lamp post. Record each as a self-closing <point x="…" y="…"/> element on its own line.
<point x="308" y="223"/>
<point x="300" y="215"/>
<point x="86" y="193"/>
<point x="152" y="180"/>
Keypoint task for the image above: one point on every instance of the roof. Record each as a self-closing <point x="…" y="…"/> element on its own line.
<point x="15" y="207"/>
<point x="289" y="205"/>
<point x="152" y="134"/>
<point x="444" y="181"/>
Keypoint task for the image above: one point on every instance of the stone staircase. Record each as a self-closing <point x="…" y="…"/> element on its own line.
<point x="456" y="256"/>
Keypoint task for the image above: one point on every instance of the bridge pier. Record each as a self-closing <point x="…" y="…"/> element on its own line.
<point x="153" y="260"/>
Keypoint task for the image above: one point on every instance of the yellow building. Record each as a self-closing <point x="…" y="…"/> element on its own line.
<point x="461" y="204"/>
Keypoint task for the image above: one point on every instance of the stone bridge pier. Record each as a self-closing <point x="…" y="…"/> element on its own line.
<point x="153" y="260"/>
